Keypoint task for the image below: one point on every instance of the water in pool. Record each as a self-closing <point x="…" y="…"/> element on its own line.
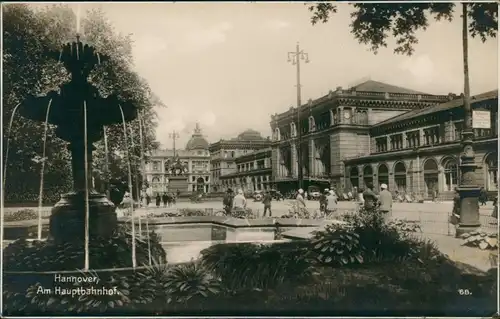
<point x="185" y="242"/>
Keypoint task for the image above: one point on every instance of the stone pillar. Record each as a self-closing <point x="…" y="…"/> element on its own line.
<point x="405" y="142"/>
<point x="449" y="129"/>
<point x="421" y="136"/>
<point x="312" y="157"/>
<point x="340" y="115"/>
<point x="295" y="168"/>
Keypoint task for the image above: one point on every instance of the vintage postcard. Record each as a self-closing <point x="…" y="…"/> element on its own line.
<point x="249" y="159"/>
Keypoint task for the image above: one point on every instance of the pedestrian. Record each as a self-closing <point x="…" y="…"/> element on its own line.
<point x="483" y="196"/>
<point x="305" y="196"/>
<point x="239" y="201"/>
<point x="158" y="200"/>
<point x="331" y="204"/>
<point x="227" y="201"/>
<point x="178" y="193"/>
<point x="164" y="199"/>
<point x="369" y="197"/>
<point x="300" y="203"/>
<point x="385" y="199"/>
<point x="323" y="201"/>
<point x="355" y="193"/>
<point x="494" y="214"/>
<point x="148" y="200"/>
<point x="267" y="203"/>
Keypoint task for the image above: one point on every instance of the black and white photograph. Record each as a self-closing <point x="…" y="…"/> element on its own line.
<point x="265" y="159"/>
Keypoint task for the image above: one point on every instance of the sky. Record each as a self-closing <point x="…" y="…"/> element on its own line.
<point x="225" y="66"/>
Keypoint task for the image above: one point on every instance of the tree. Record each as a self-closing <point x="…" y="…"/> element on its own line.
<point x="28" y="35"/>
<point x="373" y="23"/>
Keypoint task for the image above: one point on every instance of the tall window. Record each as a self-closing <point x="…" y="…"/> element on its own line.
<point x="156" y="166"/>
<point x="457" y="130"/>
<point x="381" y="144"/>
<point x="450" y="174"/>
<point x="396" y="142"/>
<point x="432" y="135"/>
<point x="413" y="139"/>
<point x="491" y="172"/>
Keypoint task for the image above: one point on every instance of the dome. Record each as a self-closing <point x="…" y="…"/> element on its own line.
<point x="197" y="141"/>
<point x="250" y="135"/>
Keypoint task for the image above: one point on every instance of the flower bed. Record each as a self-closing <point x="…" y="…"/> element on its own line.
<point x="23" y="214"/>
<point x="194" y="212"/>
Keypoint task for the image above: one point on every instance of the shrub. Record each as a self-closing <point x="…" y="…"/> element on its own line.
<point x="481" y="240"/>
<point x="189" y="282"/>
<point x="337" y="245"/>
<point x="404" y="226"/>
<point x="380" y="241"/>
<point x="251" y="266"/>
<point x="104" y="253"/>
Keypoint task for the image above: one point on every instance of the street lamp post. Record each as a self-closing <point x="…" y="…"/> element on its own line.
<point x="294" y="58"/>
<point x="468" y="189"/>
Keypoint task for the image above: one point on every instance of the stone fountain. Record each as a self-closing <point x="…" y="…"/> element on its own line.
<point x="68" y="107"/>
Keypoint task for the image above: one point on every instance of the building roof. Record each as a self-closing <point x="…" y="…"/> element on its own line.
<point x="380" y="87"/>
<point x="458" y="102"/>
<point x="249" y="135"/>
<point x="180" y="153"/>
<point x="197" y="141"/>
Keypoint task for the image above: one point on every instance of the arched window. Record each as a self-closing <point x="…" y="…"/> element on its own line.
<point x="353" y="177"/>
<point x="400" y="177"/>
<point x="312" y="124"/>
<point x="293" y="129"/>
<point x="431" y="173"/>
<point x="368" y="175"/>
<point x="491" y="166"/>
<point x="277" y="135"/>
<point x="450" y="174"/>
<point x="333" y="118"/>
<point x="383" y="174"/>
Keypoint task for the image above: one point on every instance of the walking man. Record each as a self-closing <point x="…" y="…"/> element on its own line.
<point x="331" y="205"/>
<point x="227" y="201"/>
<point x="267" y="203"/>
<point x="385" y="199"/>
<point x="239" y="201"/>
<point x="369" y="197"/>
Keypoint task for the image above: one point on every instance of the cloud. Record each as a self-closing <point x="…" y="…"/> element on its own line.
<point x="201" y="38"/>
<point x="277" y="24"/>
<point x="421" y="68"/>
<point x="208" y="119"/>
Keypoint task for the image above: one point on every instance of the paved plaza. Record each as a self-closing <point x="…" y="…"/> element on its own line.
<point x="432" y="217"/>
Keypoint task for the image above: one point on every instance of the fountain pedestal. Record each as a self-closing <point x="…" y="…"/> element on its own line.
<point x="80" y="113"/>
<point x="67" y="221"/>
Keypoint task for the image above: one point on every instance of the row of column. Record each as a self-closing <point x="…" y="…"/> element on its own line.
<point x="316" y="167"/>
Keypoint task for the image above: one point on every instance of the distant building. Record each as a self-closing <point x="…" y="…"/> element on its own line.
<point x="186" y="170"/>
<point x="253" y="172"/>
<point x="336" y="127"/>
<point x="419" y="151"/>
<point x="223" y="154"/>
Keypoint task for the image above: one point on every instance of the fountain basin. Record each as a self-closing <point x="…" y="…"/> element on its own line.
<point x="184" y="237"/>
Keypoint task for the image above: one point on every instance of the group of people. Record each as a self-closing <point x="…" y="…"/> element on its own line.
<point x="232" y="202"/>
<point x="168" y="199"/>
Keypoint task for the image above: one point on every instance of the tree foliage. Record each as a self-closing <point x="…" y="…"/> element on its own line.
<point x="373" y="23"/>
<point x="27" y="70"/>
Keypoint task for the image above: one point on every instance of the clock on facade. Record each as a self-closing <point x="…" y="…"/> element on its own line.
<point x="347" y="115"/>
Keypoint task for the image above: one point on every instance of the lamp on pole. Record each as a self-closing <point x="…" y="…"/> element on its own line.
<point x="294" y="58"/>
<point x="174" y="136"/>
<point x="468" y="189"/>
